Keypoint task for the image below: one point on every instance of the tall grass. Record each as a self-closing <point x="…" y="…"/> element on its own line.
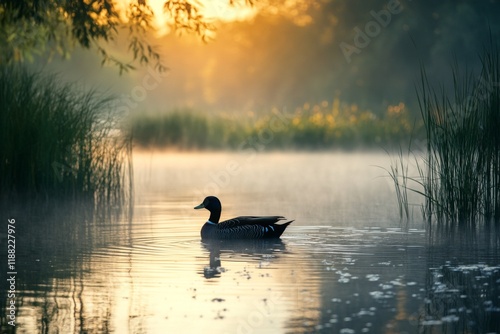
<point x="59" y="142"/>
<point x="460" y="175"/>
<point x="186" y="129"/>
<point x="398" y="172"/>
<point x="326" y="125"/>
<point x="462" y="181"/>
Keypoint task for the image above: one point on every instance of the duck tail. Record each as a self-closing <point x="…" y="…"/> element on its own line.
<point x="281" y="228"/>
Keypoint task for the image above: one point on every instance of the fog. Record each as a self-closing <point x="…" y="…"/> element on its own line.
<point x="367" y="53"/>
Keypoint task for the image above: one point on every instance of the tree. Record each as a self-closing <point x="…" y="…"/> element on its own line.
<point x="35" y="27"/>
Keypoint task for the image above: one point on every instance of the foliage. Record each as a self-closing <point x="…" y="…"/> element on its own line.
<point x="309" y="127"/>
<point x="56" y="141"/>
<point x="29" y="28"/>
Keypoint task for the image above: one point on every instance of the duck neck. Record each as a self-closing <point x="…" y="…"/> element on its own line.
<point x="214" y="216"/>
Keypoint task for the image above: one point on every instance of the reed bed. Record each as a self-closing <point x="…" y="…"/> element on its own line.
<point x="59" y="142"/>
<point x="325" y="125"/>
<point x="460" y="173"/>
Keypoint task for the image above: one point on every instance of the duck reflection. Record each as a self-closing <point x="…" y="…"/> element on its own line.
<point x="256" y="249"/>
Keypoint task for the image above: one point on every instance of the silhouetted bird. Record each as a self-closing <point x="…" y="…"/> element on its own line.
<point x="244" y="227"/>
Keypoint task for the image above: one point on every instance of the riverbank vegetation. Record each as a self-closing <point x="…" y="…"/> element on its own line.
<point x="323" y="126"/>
<point x="59" y="141"/>
<point x="460" y="169"/>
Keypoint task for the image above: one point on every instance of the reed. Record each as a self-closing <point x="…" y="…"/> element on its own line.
<point x="57" y="141"/>
<point x="460" y="171"/>
<point x="398" y="172"/>
<point x="322" y="126"/>
<point x="186" y="129"/>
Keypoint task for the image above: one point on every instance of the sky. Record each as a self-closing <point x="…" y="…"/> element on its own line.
<point x="297" y="52"/>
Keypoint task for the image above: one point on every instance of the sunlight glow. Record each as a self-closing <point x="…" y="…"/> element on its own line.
<point x="216" y="10"/>
<point x="222" y="10"/>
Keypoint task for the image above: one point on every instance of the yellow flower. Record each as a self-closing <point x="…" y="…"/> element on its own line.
<point x="330" y="120"/>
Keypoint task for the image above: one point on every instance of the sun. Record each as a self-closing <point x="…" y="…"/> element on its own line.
<point x="219" y="10"/>
<point x="225" y="11"/>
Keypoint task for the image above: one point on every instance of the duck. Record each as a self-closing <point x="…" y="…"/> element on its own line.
<point x="243" y="227"/>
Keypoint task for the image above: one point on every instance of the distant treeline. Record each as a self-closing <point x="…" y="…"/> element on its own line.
<point x="323" y="126"/>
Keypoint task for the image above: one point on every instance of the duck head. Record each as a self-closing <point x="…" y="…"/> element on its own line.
<point x="212" y="204"/>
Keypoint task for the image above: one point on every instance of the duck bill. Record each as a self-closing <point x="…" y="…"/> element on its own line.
<point x="201" y="206"/>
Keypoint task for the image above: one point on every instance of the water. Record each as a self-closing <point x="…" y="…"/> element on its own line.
<point x="344" y="266"/>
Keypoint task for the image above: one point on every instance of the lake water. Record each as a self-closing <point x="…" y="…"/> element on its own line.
<point x="346" y="265"/>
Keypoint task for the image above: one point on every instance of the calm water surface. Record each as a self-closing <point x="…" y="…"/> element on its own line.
<point x="344" y="266"/>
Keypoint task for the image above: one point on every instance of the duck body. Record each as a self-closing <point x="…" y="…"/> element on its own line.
<point x="244" y="227"/>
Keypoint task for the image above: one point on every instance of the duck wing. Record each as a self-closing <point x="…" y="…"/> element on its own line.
<point x="249" y="227"/>
<point x="250" y="220"/>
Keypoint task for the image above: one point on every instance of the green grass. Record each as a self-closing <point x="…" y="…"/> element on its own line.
<point x="57" y="141"/>
<point x="460" y="174"/>
<point x="323" y="126"/>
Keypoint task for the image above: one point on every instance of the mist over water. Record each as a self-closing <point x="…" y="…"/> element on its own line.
<point x="345" y="264"/>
